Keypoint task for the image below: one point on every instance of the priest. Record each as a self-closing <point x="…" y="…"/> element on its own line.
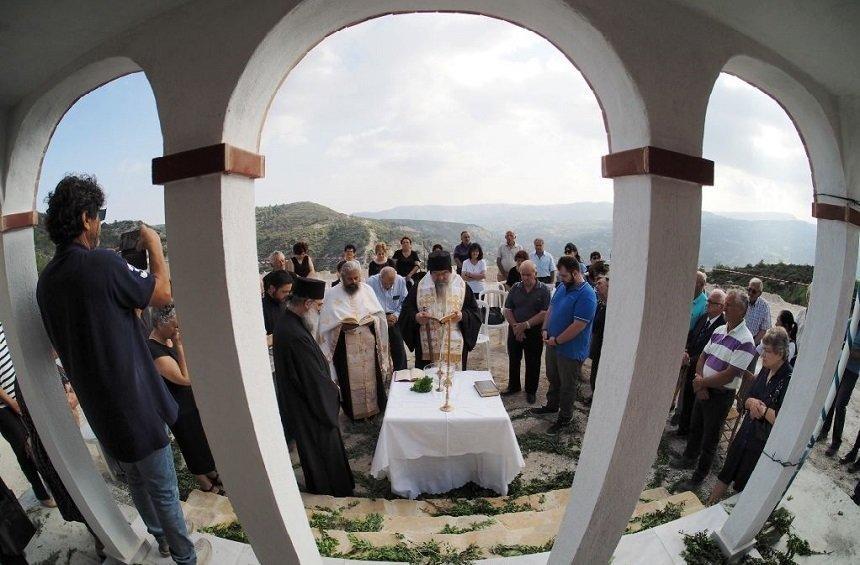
<point x="307" y="397"/>
<point x="439" y="295"/>
<point x="354" y="337"/>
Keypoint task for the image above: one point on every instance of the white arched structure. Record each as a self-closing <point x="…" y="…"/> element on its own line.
<point x="214" y="66"/>
<point x="33" y="127"/>
<point x="833" y="283"/>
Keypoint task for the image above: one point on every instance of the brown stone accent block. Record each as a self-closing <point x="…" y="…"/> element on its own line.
<point x="823" y="211"/>
<point x="18" y="221"/>
<point x="662" y="162"/>
<point x="220" y="158"/>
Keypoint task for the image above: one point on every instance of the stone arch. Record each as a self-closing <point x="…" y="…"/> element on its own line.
<point x="310" y="23"/>
<point x="36" y="121"/>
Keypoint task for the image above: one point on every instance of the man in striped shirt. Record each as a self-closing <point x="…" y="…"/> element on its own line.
<point x="718" y="376"/>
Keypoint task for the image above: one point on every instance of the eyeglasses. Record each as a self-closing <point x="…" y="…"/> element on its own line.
<point x="715" y="303"/>
<point x="102" y="214"/>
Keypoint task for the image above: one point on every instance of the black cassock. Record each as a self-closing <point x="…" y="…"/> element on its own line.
<point x="309" y="405"/>
<point x="470" y="325"/>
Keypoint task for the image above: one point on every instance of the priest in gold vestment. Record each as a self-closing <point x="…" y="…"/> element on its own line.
<point x="354" y="337"/>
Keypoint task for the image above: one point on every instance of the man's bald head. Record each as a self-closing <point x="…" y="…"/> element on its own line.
<point x="528" y="267"/>
<point x="387" y="275"/>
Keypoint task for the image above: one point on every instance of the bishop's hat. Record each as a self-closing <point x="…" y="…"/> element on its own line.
<point x="304" y="287"/>
<point x="439" y="261"/>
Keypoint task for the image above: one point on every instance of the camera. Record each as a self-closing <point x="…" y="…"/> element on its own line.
<point x="128" y="250"/>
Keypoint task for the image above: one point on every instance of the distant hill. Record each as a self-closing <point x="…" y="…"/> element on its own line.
<point x="325" y="230"/>
<point x="726" y="240"/>
<point x="739" y="239"/>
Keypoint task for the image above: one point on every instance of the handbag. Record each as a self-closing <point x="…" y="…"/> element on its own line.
<point x="16" y="529"/>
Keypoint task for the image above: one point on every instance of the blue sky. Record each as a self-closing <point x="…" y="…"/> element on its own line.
<point x="417" y="108"/>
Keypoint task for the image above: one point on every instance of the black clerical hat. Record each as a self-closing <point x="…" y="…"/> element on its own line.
<point x="439" y="261"/>
<point x="308" y="288"/>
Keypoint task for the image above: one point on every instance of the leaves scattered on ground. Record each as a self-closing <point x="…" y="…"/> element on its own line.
<point x="512" y="550"/>
<point x="668" y="513"/>
<point x="324" y="518"/>
<point x="473" y="527"/>
<point x="232" y="531"/>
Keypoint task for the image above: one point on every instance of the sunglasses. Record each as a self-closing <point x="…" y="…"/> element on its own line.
<point x="102" y="214"/>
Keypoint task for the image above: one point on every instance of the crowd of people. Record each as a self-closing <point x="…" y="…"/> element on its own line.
<point x="116" y="334"/>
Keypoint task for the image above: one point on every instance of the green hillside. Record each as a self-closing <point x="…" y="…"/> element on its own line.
<point x="325" y="230"/>
<point x="788" y="281"/>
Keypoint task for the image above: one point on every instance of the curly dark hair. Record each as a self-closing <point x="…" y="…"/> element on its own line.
<point x="300" y="247"/>
<point x="73" y="195"/>
<point x="476" y="247"/>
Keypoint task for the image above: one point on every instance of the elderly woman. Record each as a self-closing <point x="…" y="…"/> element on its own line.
<point x="514" y="273"/>
<point x="168" y="353"/>
<point x="762" y="406"/>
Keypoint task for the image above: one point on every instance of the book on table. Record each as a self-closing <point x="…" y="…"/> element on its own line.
<point x="408" y="375"/>
<point x="486" y="388"/>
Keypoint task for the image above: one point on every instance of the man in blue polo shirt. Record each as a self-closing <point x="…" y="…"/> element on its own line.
<point x="567" y="334"/>
<point x="87" y="297"/>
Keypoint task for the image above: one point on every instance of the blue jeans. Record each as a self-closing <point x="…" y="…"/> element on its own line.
<point x="155" y="493"/>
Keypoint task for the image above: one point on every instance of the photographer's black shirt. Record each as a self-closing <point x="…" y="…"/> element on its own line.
<point x="271" y="311"/>
<point x="87" y="300"/>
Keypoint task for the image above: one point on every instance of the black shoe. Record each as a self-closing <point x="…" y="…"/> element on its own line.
<point x="557" y="428"/>
<point x="690" y="484"/>
<point x="848" y="458"/>
<point x="831" y="451"/>
<point x="681" y="462"/>
<point x="163" y="547"/>
<point x="531" y="398"/>
<point x="509" y="392"/>
<point x="544" y="410"/>
<point x="854" y="467"/>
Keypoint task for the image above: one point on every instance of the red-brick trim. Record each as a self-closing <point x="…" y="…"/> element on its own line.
<point x="19" y="221"/>
<point x="824" y="211"/>
<point x="662" y="162"/>
<point x="221" y="158"/>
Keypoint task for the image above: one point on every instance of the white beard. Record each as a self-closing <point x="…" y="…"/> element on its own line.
<point x="311" y="321"/>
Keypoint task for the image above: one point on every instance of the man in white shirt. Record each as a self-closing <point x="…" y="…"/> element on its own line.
<point x="544" y="262"/>
<point x="505" y="260"/>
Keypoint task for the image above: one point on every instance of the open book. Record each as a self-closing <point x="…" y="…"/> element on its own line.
<point x="444" y="319"/>
<point x="362" y="322"/>
<point x="408" y="375"/>
<point x="486" y="388"/>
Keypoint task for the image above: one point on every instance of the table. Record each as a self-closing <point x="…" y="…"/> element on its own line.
<point x="424" y="450"/>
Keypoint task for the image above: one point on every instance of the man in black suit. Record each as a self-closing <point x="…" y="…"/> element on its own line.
<point x="697" y="339"/>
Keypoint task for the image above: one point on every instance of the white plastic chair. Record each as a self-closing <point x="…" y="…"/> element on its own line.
<point x="483" y="332"/>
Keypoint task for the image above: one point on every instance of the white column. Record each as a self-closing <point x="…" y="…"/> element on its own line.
<point x="656" y="225"/>
<point x="37" y="376"/>
<point x="213" y="258"/>
<point x="833" y="284"/>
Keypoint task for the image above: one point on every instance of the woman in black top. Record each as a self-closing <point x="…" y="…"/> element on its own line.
<point x="762" y="406"/>
<point x="380" y="260"/>
<point x="301" y="263"/>
<point x="406" y="261"/>
<point x="165" y="346"/>
<point x="514" y="273"/>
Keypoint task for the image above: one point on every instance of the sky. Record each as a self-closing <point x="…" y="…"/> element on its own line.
<point x="433" y="108"/>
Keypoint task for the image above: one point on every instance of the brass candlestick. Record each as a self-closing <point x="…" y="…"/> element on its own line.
<point x="439" y="372"/>
<point x="448" y="407"/>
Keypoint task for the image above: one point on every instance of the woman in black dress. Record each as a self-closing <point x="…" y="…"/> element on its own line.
<point x="301" y="263"/>
<point x="380" y="260"/>
<point x="168" y="353"/>
<point x="514" y="272"/>
<point x="406" y="261"/>
<point x="762" y="406"/>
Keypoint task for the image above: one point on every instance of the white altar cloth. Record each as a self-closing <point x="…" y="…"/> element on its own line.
<point x="422" y="449"/>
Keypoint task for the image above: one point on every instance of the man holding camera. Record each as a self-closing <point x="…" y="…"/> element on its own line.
<point x="87" y="297"/>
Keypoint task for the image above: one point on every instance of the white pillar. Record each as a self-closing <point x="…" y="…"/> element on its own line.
<point x="37" y="376"/>
<point x="656" y="225"/>
<point x="213" y="258"/>
<point x="833" y="283"/>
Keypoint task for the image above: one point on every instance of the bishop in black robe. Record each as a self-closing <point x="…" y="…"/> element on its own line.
<point x="309" y="407"/>
<point x="469" y="325"/>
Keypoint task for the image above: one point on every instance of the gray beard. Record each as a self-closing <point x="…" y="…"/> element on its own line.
<point x="311" y="321"/>
<point x="441" y="290"/>
<point x="350" y="288"/>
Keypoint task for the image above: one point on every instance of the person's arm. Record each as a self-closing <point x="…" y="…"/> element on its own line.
<point x="757" y="337"/>
<point x="415" y="267"/>
<point x="569" y="333"/>
<point x="10" y="402"/>
<point x="312" y="274"/>
<point x="722" y="378"/>
<point x="546" y="318"/>
<point x="552" y="271"/>
<point x="536" y="320"/>
<point x="482" y="274"/>
<point x="170" y="370"/>
<point x="151" y="242"/>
